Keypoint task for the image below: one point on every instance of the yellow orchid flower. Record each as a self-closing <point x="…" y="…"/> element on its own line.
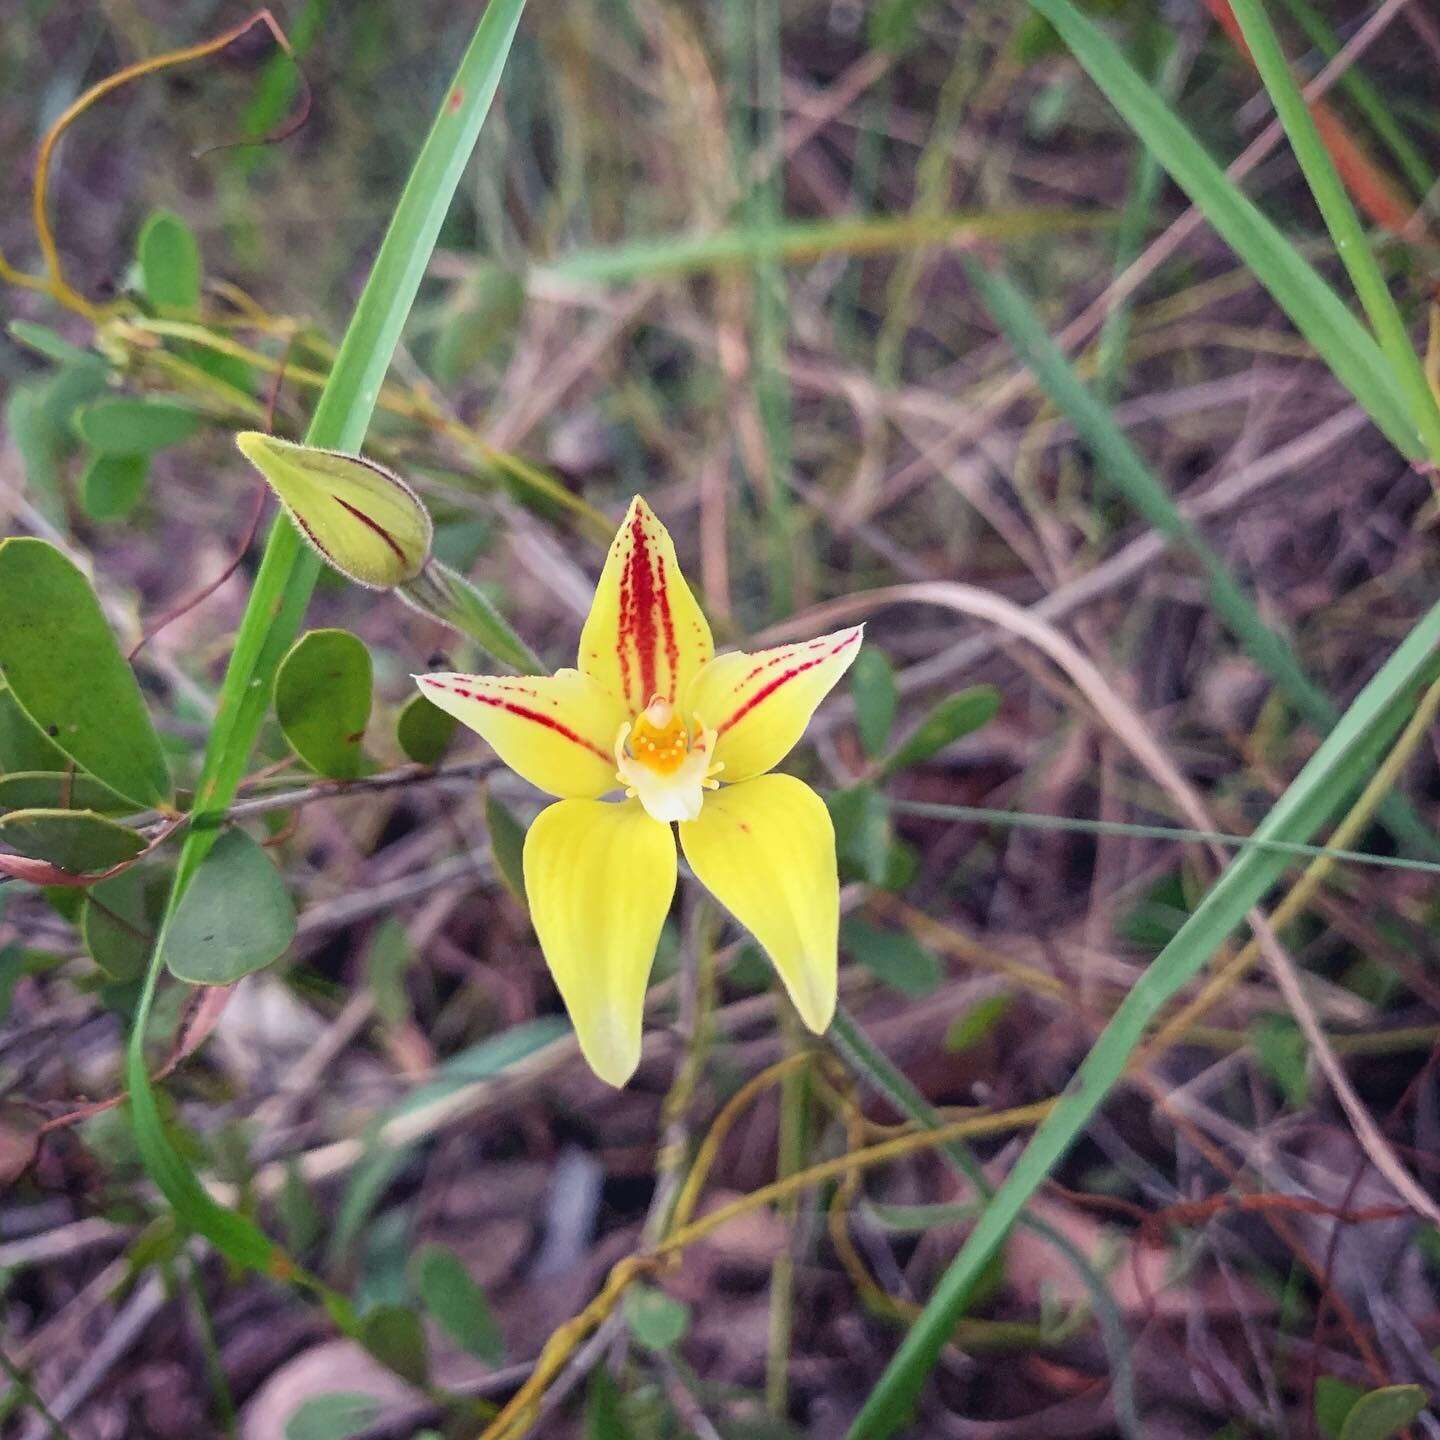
<point x="690" y="737"/>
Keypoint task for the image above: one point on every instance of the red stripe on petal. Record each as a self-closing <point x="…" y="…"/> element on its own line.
<point x="523" y="711"/>
<point x="784" y="678"/>
<point x="645" y="622"/>
<point x="374" y="525"/>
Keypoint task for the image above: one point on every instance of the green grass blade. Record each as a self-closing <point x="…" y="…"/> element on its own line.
<point x="1366" y="96"/>
<point x="1351" y="242"/>
<point x="1124" y="468"/>
<point x="288" y="572"/>
<point x="1334" y="772"/>
<point x="1345" y="345"/>
<point x="798" y="241"/>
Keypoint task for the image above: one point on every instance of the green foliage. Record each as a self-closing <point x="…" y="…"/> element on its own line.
<point x="394" y="1336"/>
<point x="861" y="817"/>
<point x="51" y="790"/>
<point x="424" y="731"/>
<point x="952" y="719"/>
<point x="894" y="956"/>
<point x="323" y="695"/>
<point x="169" y="257"/>
<point x="872" y="682"/>
<point x="457" y="1303"/>
<point x="656" y="1320"/>
<point x="1384" y="1413"/>
<point x="340" y="1416"/>
<point x="507" y="845"/>
<point x="236" y="917"/>
<point x="79" y="841"/>
<point x="120" y="425"/>
<point x="969" y="1029"/>
<point x="117" y="922"/>
<point x="1283" y="1053"/>
<point x="113" y="485"/>
<point x="62" y="665"/>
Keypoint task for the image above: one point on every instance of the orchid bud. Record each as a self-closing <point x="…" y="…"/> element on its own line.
<point x="363" y="519"/>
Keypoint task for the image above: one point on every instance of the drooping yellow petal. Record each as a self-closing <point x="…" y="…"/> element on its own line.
<point x="362" y="518"/>
<point x="557" y="731"/>
<point x="759" y="705"/>
<point x="766" y="851"/>
<point x="600" y="878"/>
<point x="645" y="635"/>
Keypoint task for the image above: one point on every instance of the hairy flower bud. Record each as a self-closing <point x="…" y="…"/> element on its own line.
<point x="362" y="518"/>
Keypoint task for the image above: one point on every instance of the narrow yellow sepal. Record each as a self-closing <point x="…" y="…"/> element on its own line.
<point x="765" y="849"/>
<point x="600" y="878"/>
<point x="363" y="519"/>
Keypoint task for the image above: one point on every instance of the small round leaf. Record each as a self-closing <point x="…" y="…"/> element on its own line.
<point x="322" y="700"/>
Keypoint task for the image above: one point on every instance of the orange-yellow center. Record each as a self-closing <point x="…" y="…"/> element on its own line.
<point x="659" y="739"/>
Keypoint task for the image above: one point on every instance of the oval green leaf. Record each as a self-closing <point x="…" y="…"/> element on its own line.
<point x="236" y="916"/>
<point x="424" y="731"/>
<point x="117" y="922"/>
<point x="113" y="485"/>
<point x="457" y="1303"/>
<point x="322" y="700"/>
<point x="395" y="1337"/>
<point x="342" y="1415"/>
<point x="872" y="683"/>
<point x="63" y="667"/>
<point x="1383" y="1413"/>
<point x="79" y="841"/>
<point x="120" y="425"/>
<point x="169" y="258"/>
<point x="49" y="790"/>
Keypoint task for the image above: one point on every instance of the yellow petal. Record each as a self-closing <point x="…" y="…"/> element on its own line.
<point x="766" y="851"/>
<point x="600" y="878"/>
<point x="363" y="519"/>
<point x="645" y="635"/>
<point x="759" y="705"/>
<point x="557" y="731"/>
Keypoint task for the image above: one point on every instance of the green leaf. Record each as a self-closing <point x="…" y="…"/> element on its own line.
<point x="1316" y="311"/>
<point x="79" y="841"/>
<point x="604" y="1415"/>
<point x="1334" y="1400"/>
<point x="235" y="917"/>
<point x="861" y="816"/>
<point x="507" y="845"/>
<point x="301" y="1217"/>
<point x="62" y="665"/>
<point x="288" y="573"/>
<point x="893" y="956"/>
<point x="120" y="425"/>
<point x="1282" y="1051"/>
<point x="457" y="1303"/>
<point x="872" y="682"/>
<point x="322" y="701"/>
<point x="424" y="731"/>
<point x="447" y="596"/>
<point x="113" y="485"/>
<point x="968" y="1029"/>
<point x="656" y="1320"/>
<point x="169" y="258"/>
<point x="395" y="1337"/>
<point x="24" y="746"/>
<point x="49" y="790"/>
<point x="952" y="719"/>
<point x="339" y="1416"/>
<point x="117" y="923"/>
<point x="386" y="961"/>
<point x="45" y="341"/>
<point x="1383" y="1413"/>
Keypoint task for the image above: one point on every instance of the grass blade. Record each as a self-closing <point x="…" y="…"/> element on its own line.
<point x="1334" y="772"/>
<point x="288" y="572"/>
<point x="1345" y="345"/>
<point x="1341" y="220"/>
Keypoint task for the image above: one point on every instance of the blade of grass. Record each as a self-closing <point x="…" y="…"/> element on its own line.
<point x="1124" y="468"/>
<point x="798" y="241"/>
<point x="1366" y="97"/>
<point x="1345" y="345"/>
<point x="288" y="571"/>
<point x="1338" y="768"/>
<point x="1351" y="242"/>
